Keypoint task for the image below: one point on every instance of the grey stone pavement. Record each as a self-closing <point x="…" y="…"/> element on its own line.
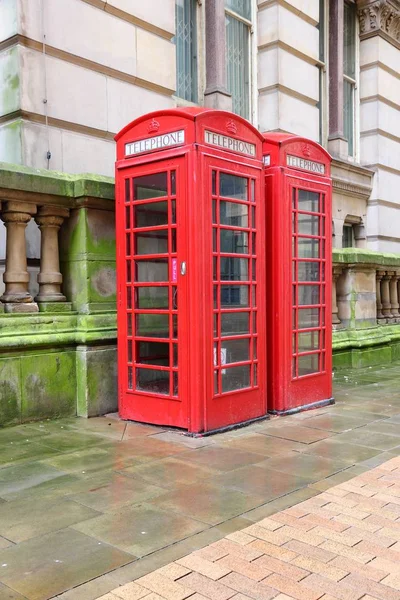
<point x="88" y="505"/>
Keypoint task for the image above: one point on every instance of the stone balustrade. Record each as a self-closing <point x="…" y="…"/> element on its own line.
<point x="365" y="306"/>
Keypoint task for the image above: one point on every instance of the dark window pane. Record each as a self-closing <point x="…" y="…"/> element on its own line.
<point x="175" y="384"/>
<point x="308" y="364"/>
<point x="173" y="183"/>
<point x="234" y="323"/>
<point x="127" y="190"/>
<point x="232" y="186"/>
<point x="308" y="201"/>
<point x="309" y="340"/>
<point x="234" y="269"/>
<point x="127" y="217"/>
<point x="234" y="296"/>
<point x="151" y="325"/>
<point x="154" y="242"/>
<point x="236" y="215"/>
<point x="308" y="271"/>
<point x="151" y="270"/>
<point x="308" y="248"/>
<point x="307" y="224"/>
<point x="152" y="353"/>
<point x="150" y="186"/>
<point x="308" y="317"/>
<point x="234" y="242"/>
<point x="152" y="381"/>
<point x="152" y="297"/>
<point x="235" y="378"/>
<point x="235" y="351"/>
<point x="151" y="214"/>
<point x="309" y="294"/>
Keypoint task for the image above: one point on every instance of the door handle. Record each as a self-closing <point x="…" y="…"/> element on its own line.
<point x="183" y="268"/>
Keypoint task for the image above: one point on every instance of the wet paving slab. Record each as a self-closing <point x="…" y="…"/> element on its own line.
<point x="88" y="504"/>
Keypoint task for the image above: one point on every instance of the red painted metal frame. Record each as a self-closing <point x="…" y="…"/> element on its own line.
<point x="289" y="389"/>
<point x="196" y="407"/>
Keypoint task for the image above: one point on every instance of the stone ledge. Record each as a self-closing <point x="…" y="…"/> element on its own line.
<point x="363" y="338"/>
<point x="361" y="256"/>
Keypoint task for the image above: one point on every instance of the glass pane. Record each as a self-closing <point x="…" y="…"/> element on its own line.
<point x="238" y="64"/>
<point x="308" y="364"/>
<point x="214" y="212"/>
<point x="215" y="325"/>
<point x="175" y="351"/>
<point x="348" y="115"/>
<point x="234" y="269"/>
<point x="154" y="242"/>
<point x="234" y="296"/>
<point x="129" y="297"/>
<point x="308" y="294"/>
<point x="215" y="268"/>
<point x="175" y="384"/>
<point x="233" y="186"/>
<point x="236" y="215"/>
<point x="175" y="326"/>
<point x="254" y="322"/>
<point x="214" y="183"/>
<point x="308" y="201"/>
<point x="130" y="378"/>
<point x="235" y="351"/>
<point x="215" y="382"/>
<point x="129" y="351"/>
<point x="234" y="242"/>
<point x="349" y="40"/>
<point x="152" y="297"/>
<point x="152" y="353"/>
<point x="151" y="325"/>
<point x="173" y="241"/>
<point x="129" y="326"/>
<point x="308" y="317"/>
<point x="235" y="378"/>
<point x="307" y="248"/>
<point x="128" y="271"/>
<point x="308" y="271"/>
<point x="255" y="381"/>
<point x="307" y="224"/>
<point x="151" y="214"/>
<point x="241" y="7"/>
<point x="127" y="217"/>
<point x="128" y="244"/>
<point x="150" y="186"/>
<point x="186" y="49"/>
<point x="308" y="340"/>
<point x="173" y="183"/>
<point x="153" y="381"/>
<point x="151" y="270"/>
<point x="127" y="190"/>
<point x="234" y="323"/>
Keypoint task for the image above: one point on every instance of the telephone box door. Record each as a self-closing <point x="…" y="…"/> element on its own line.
<point x="236" y="367"/>
<point x="311" y="296"/>
<point x="151" y="223"/>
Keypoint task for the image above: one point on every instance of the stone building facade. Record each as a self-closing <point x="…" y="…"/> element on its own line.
<point x="74" y="72"/>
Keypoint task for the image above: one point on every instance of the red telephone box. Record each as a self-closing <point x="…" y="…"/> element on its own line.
<point x="299" y="273"/>
<point x="191" y="270"/>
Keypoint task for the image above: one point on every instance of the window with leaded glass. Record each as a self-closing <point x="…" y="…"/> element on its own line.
<point x="186" y="49"/>
<point x="349" y="73"/>
<point x="238" y="54"/>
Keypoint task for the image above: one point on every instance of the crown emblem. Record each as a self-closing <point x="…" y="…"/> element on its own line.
<point x="231" y="127"/>
<point x="153" y="126"/>
<point x="306" y="150"/>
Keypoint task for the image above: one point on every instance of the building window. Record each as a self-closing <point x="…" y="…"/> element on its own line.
<point x="349" y="74"/>
<point x="348" y="236"/>
<point x="186" y="49"/>
<point x="238" y="23"/>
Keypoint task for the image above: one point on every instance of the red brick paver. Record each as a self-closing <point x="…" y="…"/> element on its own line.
<point x="340" y="545"/>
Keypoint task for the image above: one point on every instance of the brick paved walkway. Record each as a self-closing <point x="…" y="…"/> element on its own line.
<point x="343" y="543"/>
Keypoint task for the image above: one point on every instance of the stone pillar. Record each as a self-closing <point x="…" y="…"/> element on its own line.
<point x="216" y="95"/>
<point x="335" y="310"/>
<point x="394" y="297"/>
<point x="16" y="297"/>
<point x="50" y="219"/>
<point x="379" y="313"/>
<point x="337" y="143"/>
<point x="385" y="293"/>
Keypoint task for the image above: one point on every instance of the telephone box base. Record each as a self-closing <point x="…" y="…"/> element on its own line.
<point x="227" y="428"/>
<point x="297" y="409"/>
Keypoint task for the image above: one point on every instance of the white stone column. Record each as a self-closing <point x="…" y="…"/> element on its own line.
<point x="394" y="297"/>
<point x="50" y="219"/>
<point x="385" y="295"/>
<point x="379" y="313"/>
<point x="16" y="298"/>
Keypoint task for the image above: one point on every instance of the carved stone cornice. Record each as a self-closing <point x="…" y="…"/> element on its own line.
<point x="380" y="17"/>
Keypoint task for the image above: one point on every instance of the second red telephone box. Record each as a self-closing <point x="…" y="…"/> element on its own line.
<point x="191" y="270"/>
<point x="298" y="196"/>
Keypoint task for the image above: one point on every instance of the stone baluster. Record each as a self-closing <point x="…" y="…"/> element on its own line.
<point x="385" y="293"/>
<point x="49" y="220"/>
<point x="16" y="297"/>
<point x="335" y="310"/>
<point x="394" y="297"/>
<point x="379" y="313"/>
